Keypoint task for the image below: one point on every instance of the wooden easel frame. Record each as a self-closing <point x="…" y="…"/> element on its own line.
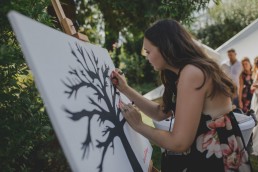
<point x="69" y="29"/>
<point x="66" y="23"/>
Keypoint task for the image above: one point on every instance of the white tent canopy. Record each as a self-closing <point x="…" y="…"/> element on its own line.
<point x="245" y="43"/>
<point x="155" y="94"/>
<point x="211" y="53"/>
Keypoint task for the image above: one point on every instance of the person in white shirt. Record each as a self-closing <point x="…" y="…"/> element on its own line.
<point x="233" y="69"/>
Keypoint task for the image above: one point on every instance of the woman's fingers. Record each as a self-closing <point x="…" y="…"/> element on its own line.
<point x="119" y="71"/>
<point x="132" y="116"/>
<point x="118" y="80"/>
<point x="124" y="108"/>
<point x="128" y="109"/>
<point x="115" y="77"/>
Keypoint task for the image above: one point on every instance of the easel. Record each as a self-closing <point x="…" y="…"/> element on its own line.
<point x="66" y="23"/>
<point x="68" y="28"/>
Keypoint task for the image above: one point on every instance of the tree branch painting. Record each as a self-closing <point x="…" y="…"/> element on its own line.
<point x="90" y="74"/>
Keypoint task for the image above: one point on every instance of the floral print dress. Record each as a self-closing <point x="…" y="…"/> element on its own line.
<point x="246" y="92"/>
<point x="218" y="147"/>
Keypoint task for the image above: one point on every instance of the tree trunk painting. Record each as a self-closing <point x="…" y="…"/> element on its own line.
<point x="91" y="75"/>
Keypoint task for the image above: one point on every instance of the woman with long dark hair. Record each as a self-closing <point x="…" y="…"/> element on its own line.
<point x="205" y="130"/>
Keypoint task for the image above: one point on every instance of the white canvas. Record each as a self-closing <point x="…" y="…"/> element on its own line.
<point x="73" y="79"/>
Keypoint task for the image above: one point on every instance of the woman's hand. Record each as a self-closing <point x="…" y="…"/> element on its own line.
<point x="118" y="80"/>
<point x="132" y="116"/>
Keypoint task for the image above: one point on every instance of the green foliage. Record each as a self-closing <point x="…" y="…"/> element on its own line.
<point x="254" y="162"/>
<point x="138" y="72"/>
<point x="137" y="69"/>
<point x="91" y="21"/>
<point x="227" y="18"/>
<point x="182" y="10"/>
<point x="130" y="18"/>
<point x="134" y="16"/>
<point x="27" y="137"/>
<point x="156" y="156"/>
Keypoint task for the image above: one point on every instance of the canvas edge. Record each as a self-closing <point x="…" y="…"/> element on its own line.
<point x="12" y="17"/>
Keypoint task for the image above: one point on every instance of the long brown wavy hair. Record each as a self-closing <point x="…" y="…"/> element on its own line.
<point x="178" y="49"/>
<point x="246" y="59"/>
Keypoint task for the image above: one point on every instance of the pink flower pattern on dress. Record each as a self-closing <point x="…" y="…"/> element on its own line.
<point x="234" y="155"/>
<point x="223" y="121"/>
<point x="209" y="142"/>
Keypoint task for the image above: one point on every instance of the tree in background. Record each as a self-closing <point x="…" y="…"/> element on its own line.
<point x="134" y="16"/>
<point x="27" y="141"/>
<point x="130" y="18"/>
<point x="227" y="19"/>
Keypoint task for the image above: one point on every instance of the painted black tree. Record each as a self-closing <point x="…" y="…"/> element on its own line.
<point x="90" y="74"/>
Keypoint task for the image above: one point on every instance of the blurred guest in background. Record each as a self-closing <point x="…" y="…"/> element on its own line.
<point x="233" y="69"/>
<point x="245" y="93"/>
<point x="254" y="105"/>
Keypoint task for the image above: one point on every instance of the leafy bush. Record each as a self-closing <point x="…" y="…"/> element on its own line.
<point x="27" y="142"/>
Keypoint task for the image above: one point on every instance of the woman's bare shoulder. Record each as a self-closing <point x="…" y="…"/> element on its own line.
<point x="192" y="70"/>
<point x="192" y="74"/>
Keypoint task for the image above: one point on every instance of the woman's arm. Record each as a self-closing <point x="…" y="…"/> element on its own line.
<point x="190" y="102"/>
<point x="148" y="107"/>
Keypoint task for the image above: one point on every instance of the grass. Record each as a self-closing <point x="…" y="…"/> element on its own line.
<point x="156" y="154"/>
<point x="254" y="162"/>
